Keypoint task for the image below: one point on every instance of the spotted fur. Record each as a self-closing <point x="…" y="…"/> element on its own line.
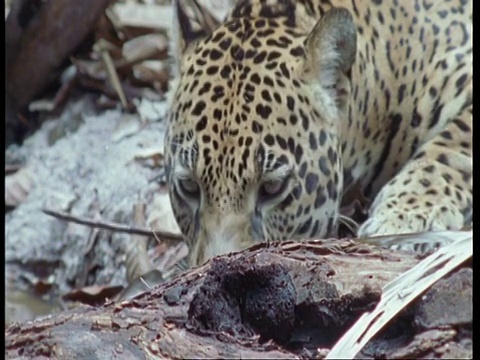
<point x="280" y="108"/>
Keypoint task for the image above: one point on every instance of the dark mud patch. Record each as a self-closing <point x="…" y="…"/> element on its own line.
<point x="245" y="299"/>
<point x="242" y="299"/>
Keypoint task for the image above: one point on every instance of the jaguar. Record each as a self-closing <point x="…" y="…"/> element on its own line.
<point x="278" y="110"/>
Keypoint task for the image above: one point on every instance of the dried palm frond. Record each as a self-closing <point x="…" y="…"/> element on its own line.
<point x="404" y="289"/>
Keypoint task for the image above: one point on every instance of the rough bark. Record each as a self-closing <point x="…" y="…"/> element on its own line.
<point x="287" y="300"/>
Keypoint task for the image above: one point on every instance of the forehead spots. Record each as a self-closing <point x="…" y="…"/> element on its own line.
<point x="263" y="111"/>
<point x="255" y="78"/>
<point x="212" y="70"/>
<point x="218" y="93"/>
<point x="277" y="97"/>
<point x="282" y="42"/>
<point x="290" y="103"/>
<point x="311" y="182"/>
<point x="332" y="156"/>
<point x="266" y="95"/>
<point x="257" y="128"/>
<point x="269" y="140"/>
<point x="201" y="124"/>
<point x="320" y="198"/>
<point x="268" y="81"/>
<point x="285" y="71"/>
<point x="273" y="55"/>
<point x="205" y="88"/>
<point x="322" y="138"/>
<point x="199" y="107"/>
<point x="225" y="44"/>
<point x="312" y="141"/>
<point x="240" y="82"/>
<point x="281" y="142"/>
<point x="331" y="190"/>
<point x="260" y="57"/>
<point x="255" y="43"/>
<point x="297" y="51"/>
<point x="323" y="166"/>
<point x="217" y="114"/>
<point x="305" y="120"/>
<point x="218" y="36"/>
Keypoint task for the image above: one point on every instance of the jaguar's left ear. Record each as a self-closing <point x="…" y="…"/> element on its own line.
<point x="191" y="22"/>
<point x="330" y="49"/>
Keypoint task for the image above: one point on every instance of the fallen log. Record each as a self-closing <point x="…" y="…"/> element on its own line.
<point x="282" y="300"/>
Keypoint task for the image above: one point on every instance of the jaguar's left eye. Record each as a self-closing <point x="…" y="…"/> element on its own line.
<point x="189" y="187"/>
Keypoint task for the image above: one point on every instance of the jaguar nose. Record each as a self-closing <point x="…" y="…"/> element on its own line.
<point x="225" y="234"/>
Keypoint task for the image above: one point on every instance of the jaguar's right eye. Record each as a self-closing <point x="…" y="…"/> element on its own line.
<point x="189" y="187"/>
<point x="272" y="189"/>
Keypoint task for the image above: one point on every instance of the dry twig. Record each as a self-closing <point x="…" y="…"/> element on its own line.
<point x="163" y="235"/>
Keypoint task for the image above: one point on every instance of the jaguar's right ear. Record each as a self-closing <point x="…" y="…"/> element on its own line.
<point x="191" y="22"/>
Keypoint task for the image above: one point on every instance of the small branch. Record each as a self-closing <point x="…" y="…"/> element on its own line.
<point x="163" y="235"/>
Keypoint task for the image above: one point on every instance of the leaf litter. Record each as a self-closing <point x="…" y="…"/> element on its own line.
<point x="69" y="177"/>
